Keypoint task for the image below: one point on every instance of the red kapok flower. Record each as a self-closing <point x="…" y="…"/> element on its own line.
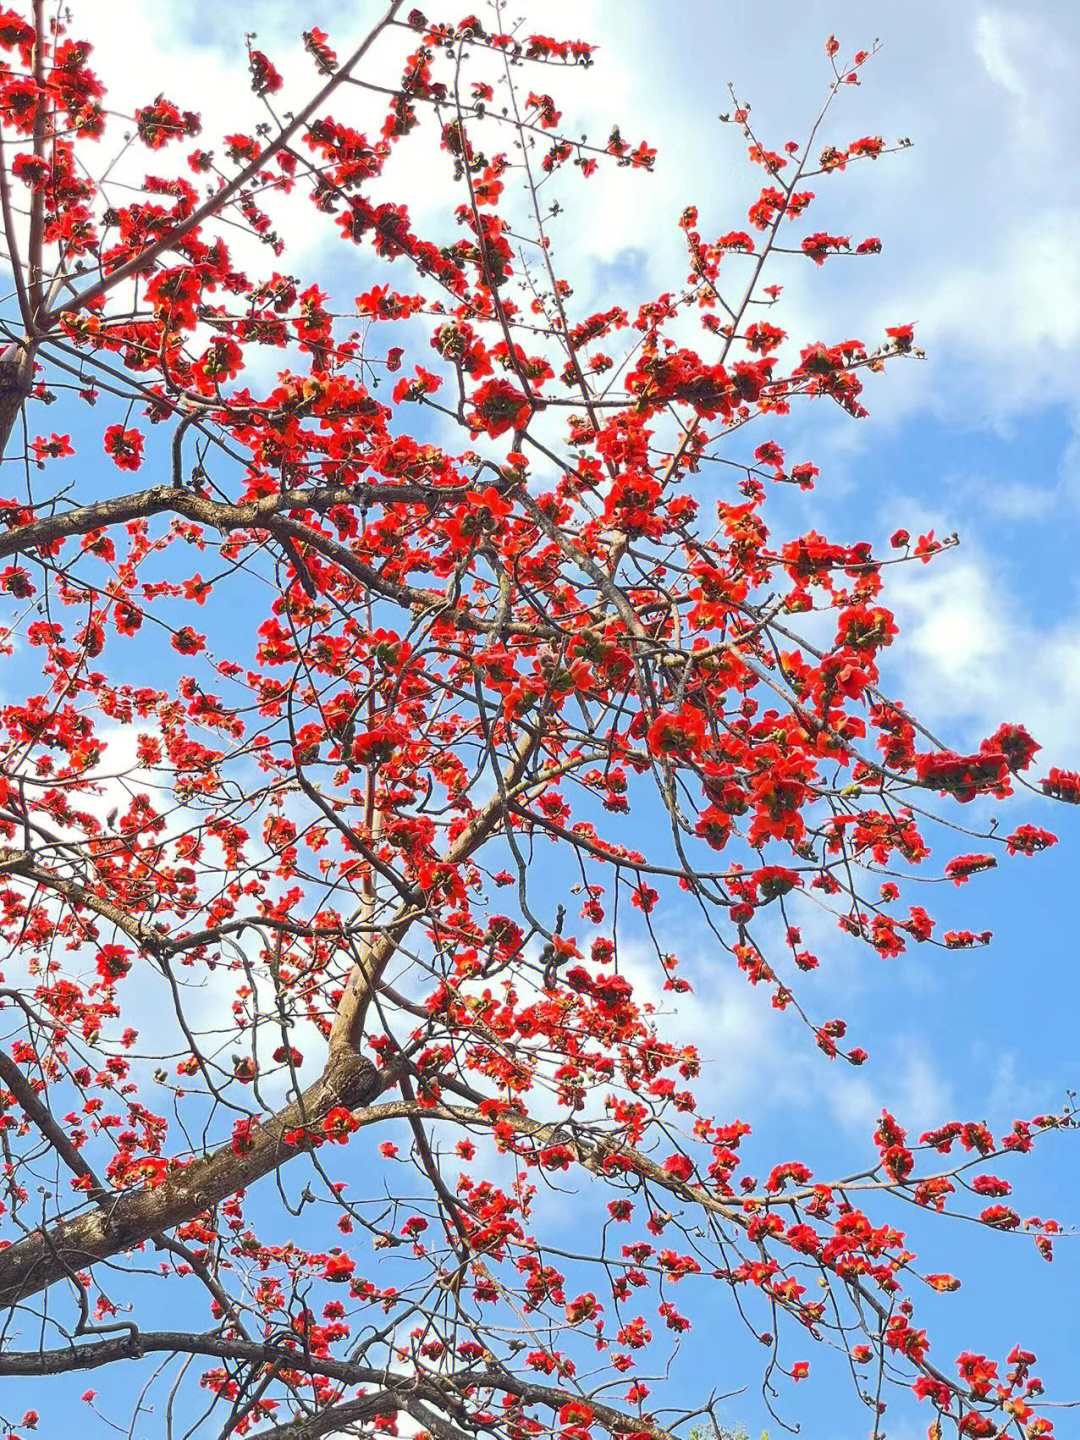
<point x="498" y="407"/>
<point x="339" y="1124"/>
<point x="125" y="447"/>
<point x="339" y="1268"/>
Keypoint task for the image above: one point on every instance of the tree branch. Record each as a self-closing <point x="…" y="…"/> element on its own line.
<point x="145" y="258"/>
<point x="135" y="1216"/>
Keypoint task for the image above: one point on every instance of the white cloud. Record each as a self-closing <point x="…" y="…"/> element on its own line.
<point x="1010" y="1094"/>
<point x="754" y="1057"/>
<point x="977" y="227"/>
<point x="907" y="1083"/>
<point x="996" y="36"/>
<point x="970" y="656"/>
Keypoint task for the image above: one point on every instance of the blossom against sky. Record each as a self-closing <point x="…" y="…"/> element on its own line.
<point x="979" y="219"/>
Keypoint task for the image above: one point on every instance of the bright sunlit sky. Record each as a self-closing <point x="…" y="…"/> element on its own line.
<point x="980" y="223"/>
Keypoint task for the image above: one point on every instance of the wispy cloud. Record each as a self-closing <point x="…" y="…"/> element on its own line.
<point x="996" y="36"/>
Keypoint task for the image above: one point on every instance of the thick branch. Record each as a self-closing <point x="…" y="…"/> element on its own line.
<point x="15" y="381"/>
<point x="41" y="1116"/>
<point x="252" y="514"/>
<point x="353" y="1006"/>
<point x="333" y="1418"/>
<point x="35" y="1263"/>
<point x="438" y="1391"/>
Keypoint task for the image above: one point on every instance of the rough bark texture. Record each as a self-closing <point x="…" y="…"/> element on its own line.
<point x="14" y="387"/>
<point x="35" y="1263"/>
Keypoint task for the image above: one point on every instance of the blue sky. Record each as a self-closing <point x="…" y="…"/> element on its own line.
<point x="980" y="222"/>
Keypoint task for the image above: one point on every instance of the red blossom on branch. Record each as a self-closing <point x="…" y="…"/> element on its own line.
<point x="330" y="852"/>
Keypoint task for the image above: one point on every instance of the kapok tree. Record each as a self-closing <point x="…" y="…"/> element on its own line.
<point x="335" y="692"/>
